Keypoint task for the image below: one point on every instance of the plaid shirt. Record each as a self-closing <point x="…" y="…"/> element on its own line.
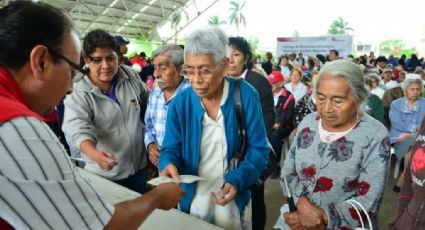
<point x="156" y="114"/>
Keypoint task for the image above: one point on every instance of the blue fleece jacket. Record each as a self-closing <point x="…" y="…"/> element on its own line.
<point x="182" y="141"/>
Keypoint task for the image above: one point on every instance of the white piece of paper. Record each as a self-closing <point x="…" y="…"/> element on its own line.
<point x="185" y="179"/>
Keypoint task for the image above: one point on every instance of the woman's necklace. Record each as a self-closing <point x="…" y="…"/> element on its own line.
<point x="329" y="136"/>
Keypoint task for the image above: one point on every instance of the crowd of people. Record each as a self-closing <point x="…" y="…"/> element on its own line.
<point x="205" y="109"/>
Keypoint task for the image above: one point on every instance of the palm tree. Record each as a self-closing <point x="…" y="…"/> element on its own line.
<point x="236" y="17"/>
<point x="339" y="26"/>
<point x="215" y="20"/>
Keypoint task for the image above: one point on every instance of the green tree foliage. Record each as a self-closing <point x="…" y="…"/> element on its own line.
<point x="396" y="47"/>
<point x="236" y="16"/>
<point x="253" y="41"/>
<point x="339" y="26"/>
<point x="296" y="33"/>
<point x="215" y="20"/>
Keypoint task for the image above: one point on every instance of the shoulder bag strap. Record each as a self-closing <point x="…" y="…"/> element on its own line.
<point x="241" y="131"/>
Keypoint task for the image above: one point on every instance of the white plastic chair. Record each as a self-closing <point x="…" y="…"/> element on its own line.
<point x="287" y="141"/>
<point x="397" y="163"/>
<point x="285" y="148"/>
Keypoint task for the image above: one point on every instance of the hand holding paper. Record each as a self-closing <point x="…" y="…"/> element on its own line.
<point x="185" y="179"/>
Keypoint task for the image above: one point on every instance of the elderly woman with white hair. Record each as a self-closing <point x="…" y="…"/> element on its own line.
<point x="406" y="114"/>
<point x="339" y="153"/>
<point x="375" y="88"/>
<point x="201" y="136"/>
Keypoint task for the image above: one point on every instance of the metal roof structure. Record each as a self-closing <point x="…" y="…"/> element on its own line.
<point x="130" y="18"/>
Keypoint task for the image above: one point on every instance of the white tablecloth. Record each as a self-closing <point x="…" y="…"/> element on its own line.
<point x="159" y="219"/>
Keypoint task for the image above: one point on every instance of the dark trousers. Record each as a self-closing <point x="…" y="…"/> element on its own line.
<point x="135" y="182"/>
<point x="275" y="138"/>
<point x="258" y="208"/>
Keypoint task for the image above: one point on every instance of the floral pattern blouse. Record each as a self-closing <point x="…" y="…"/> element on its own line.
<point x="351" y="167"/>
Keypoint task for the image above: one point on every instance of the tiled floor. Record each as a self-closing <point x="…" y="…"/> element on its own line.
<point x="274" y="199"/>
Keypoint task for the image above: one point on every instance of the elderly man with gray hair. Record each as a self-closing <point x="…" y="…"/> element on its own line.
<point x="168" y="66"/>
<point x="202" y="138"/>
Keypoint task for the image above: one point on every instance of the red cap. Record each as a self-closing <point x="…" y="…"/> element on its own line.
<point x="275" y="76"/>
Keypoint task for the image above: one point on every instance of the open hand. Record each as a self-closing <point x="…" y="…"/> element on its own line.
<point x="225" y="196"/>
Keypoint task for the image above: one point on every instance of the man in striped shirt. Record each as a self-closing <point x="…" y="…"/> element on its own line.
<point x="39" y="187"/>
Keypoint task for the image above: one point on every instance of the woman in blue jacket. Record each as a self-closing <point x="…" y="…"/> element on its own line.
<point x="201" y="136"/>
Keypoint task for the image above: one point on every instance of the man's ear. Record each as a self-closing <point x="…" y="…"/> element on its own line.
<point x="40" y="59"/>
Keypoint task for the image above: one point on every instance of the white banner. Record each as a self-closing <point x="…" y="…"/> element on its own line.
<point x="315" y="45"/>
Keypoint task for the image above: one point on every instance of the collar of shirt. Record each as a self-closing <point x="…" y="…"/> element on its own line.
<point x="112" y="95"/>
<point x="12" y="101"/>
<point x="243" y="75"/>
<point x="183" y="85"/>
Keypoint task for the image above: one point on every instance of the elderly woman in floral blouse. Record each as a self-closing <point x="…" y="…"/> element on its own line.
<point x="339" y="153"/>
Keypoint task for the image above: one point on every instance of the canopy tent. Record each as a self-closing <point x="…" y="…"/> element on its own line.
<point x="130" y="18"/>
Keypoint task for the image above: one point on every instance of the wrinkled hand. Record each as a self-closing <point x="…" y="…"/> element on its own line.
<point x="227" y="194"/>
<point x="311" y="216"/>
<point x="404" y="137"/>
<point x="153" y="151"/>
<point x="170" y="171"/>
<point x="170" y="194"/>
<point x="276" y="126"/>
<point x="105" y="160"/>
<point x="292" y="219"/>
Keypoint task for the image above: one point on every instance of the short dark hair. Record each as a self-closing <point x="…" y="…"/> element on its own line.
<point x="335" y="51"/>
<point x="25" y="24"/>
<point x="98" y="38"/>
<point x="269" y="55"/>
<point x="381" y="59"/>
<point x="242" y="45"/>
<point x="321" y="58"/>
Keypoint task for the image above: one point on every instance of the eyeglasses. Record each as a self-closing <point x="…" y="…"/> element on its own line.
<point x="75" y="76"/>
<point x="203" y="72"/>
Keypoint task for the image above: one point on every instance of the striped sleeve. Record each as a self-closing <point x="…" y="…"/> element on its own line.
<point x="39" y="187"/>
